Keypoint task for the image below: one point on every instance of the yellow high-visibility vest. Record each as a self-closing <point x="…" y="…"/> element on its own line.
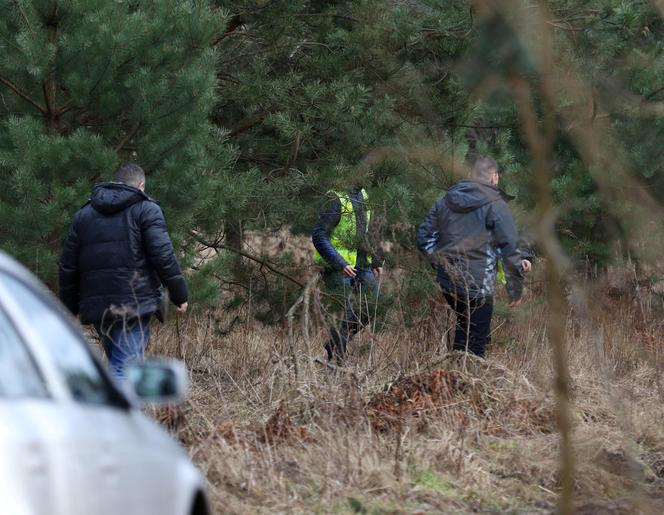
<point x="501" y="277"/>
<point x="344" y="236"/>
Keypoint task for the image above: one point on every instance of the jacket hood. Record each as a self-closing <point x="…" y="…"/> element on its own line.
<point x="466" y="196"/>
<point x="111" y="197"/>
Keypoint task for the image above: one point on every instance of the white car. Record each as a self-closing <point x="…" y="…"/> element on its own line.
<point x="71" y="443"/>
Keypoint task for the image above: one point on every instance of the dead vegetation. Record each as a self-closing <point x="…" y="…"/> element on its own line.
<point x="490" y="404"/>
<point x="413" y="429"/>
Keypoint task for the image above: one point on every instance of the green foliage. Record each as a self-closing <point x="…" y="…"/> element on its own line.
<point x="432" y="480"/>
<point x="246" y="112"/>
<point x="297" y="106"/>
<point x="320" y="96"/>
<point x="617" y="48"/>
<point x="86" y="85"/>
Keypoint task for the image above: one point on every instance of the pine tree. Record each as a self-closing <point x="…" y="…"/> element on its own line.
<point x="309" y="89"/>
<point x="85" y="85"/>
<point x="615" y="47"/>
<point x="245" y="112"/>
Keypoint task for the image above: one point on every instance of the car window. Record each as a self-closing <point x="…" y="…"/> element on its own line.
<point x="67" y="349"/>
<point x="19" y="376"/>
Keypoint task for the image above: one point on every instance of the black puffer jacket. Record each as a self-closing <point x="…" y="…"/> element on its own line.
<point x="117" y="256"/>
<point x="465" y="233"/>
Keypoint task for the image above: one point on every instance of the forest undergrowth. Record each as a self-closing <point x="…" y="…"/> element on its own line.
<point x="408" y="427"/>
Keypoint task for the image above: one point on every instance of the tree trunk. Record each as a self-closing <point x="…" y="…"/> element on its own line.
<point x="235" y="240"/>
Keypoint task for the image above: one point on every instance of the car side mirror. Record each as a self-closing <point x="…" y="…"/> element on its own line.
<point x="157" y="381"/>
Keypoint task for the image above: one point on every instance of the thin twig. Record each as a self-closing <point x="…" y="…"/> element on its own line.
<point x="252" y="257"/>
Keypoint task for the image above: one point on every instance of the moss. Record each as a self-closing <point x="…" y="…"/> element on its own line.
<point x="433" y="481"/>
<point x="357" y="506"/>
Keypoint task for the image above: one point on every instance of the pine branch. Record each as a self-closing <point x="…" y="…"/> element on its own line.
<point x="233" y="25"/>
<point x="49" y="96"/>
<point x="163" y="155"/>
<point x="49" y="85"/>
<point x="69" y="106"/>
<point x="127" y="137"/>
<point x="653" y="93"/>
<point x="296" y="152"/>
<point x="103" y="73"/>
<point x="25" y="17"/>
<point x="246" y="124"/>
<point x="327" y="15"/>
<point x="18" y="92"/>
<point x="462" y="126"/>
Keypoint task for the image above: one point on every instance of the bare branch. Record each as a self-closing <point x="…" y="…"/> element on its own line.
<point x="252" y="257"/>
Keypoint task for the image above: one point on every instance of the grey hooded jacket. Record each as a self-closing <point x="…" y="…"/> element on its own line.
<point x="465" y="233"/>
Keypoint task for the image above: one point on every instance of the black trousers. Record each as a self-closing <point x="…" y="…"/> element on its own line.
<point x="356" y="295"/>
<point x="473" y="322"/>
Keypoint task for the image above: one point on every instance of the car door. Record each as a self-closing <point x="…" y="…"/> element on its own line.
<point x="122" y="462"/>
<point x="149" y="462"/>
<point x="27" y="471"/>
<point x="87" y="441"/>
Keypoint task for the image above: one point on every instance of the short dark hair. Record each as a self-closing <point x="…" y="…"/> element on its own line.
<point x="484" y="167"/>
<point x="130" y="173"/>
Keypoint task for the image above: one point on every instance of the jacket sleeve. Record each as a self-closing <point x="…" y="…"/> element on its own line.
<point x="328" y="219"/>
<point x="526" y="249"/>
<point x="506" y="239"/>
<point x="160" y="253"/>
<point x="428" y="234"/>
<point x="68" y="270"/>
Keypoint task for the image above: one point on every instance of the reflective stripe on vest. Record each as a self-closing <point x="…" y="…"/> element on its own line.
<point x="344" y="236"/>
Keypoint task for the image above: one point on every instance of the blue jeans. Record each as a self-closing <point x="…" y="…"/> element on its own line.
<point x="123" y="341"/>
<point x="358" y="297"/>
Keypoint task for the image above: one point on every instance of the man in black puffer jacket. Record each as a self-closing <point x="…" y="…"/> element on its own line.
<point x="116" y="258"/>
<point x="464" y="235"/>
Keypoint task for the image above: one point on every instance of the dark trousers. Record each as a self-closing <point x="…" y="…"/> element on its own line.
<point x="358" y="297"/>
<point x="473" y="321"/>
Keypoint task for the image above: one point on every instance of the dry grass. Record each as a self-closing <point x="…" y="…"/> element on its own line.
<point x="412" y="429"/>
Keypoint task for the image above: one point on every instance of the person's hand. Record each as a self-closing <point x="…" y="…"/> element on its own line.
<point x="527" y="265"/>
<point x="182" y="308"/>
<point x="378" y="272"/>
<point x="515" y="303"/>
<point x="350" y="271"/>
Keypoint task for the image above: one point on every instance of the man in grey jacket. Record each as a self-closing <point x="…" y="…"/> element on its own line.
<point x="465" y="233"/>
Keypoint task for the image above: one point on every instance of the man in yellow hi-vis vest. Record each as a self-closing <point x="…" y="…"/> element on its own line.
<point x="341" y="247"/>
